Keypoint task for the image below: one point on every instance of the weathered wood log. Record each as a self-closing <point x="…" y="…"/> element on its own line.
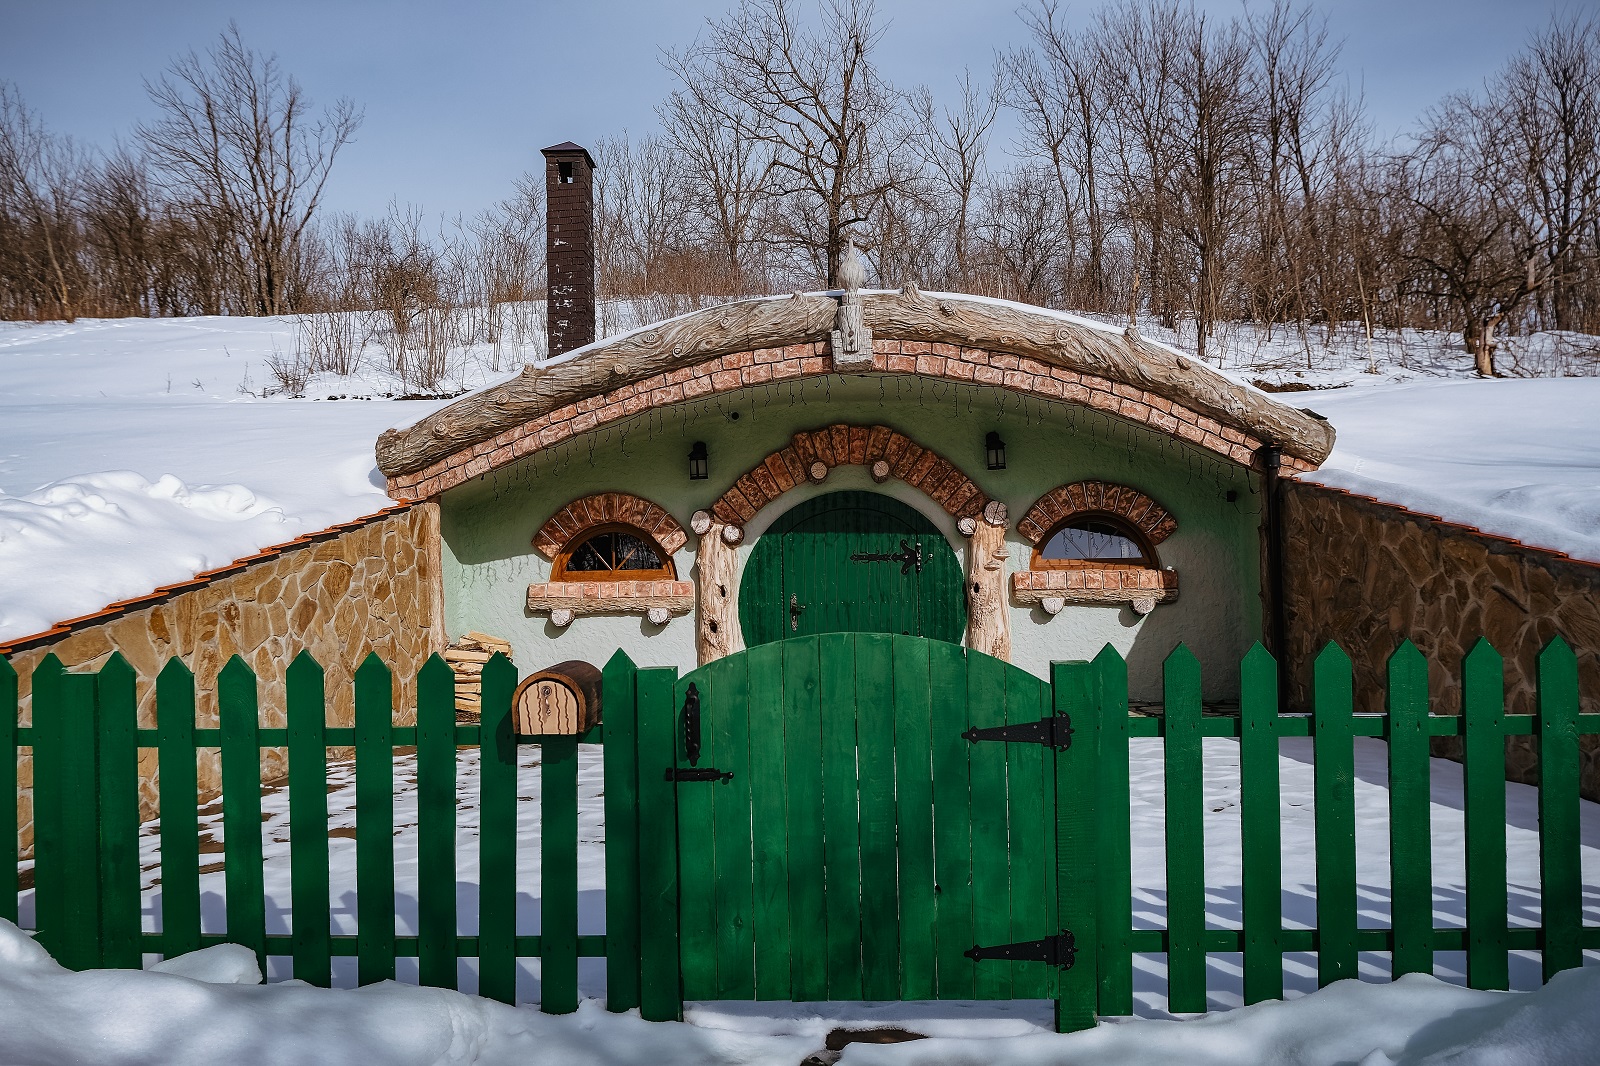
<point x="716" y="571"/>
<point x="807" y="318"/>
<point x="988" y="620"/>
<point x="676" y="597"/>
<point x="564" y="700"/>
<point x="466" y="655"/>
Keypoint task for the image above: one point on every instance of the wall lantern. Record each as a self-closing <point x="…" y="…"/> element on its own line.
<point x="995" y="448"/>
<point x="699" y="466"/>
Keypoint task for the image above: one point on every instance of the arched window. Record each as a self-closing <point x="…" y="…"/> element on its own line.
<point x="614" y="552"/>
<point x="1094" y="539"/>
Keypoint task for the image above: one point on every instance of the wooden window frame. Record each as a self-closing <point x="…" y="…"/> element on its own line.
<point x="558" y="571"/>
<point x="1150" y="561"/>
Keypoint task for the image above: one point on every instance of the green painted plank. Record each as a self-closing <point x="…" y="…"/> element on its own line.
<point x="660" y="995"/>
<point x="1333" y="749"/>
<point x="239" y="722"/>
<point x="374" y="821"/>
<point x="952" y="820"/>
<point x="436" y="824"/>
<point x="178" y="785"/>
<point x="49" y="802"/>
<point x="1074" y="773"/>
<point x="880" y="922"/>
<point x="1027" y="700"/>
<point x="729" y="730"/>
<point x="1410" y="817"/>
<point x="1260" y="826"/>
<point x="10" y="842"/>
<point x="497" y="852"/>
<point x="1115" y="836"/>
<point x="1484" y="778"/>
<point x="769" y="831"/>
<point x="558" y="893"/>
<point x="841" y="840"/>
<point x="991" y="849"/>
<point x="697" y="899"/>
<point x="121" y="909"/>
<point x="308" y="821"/>
<point x="914" y="821"/>
<point x="808" y="919"/>
<point x="1185" y="830"/>
<point x="621" y="784"/>
<point x="78" y="943"/>
<point x="1560" y="868"/>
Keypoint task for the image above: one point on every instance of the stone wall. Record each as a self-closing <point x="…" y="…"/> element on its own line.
<point x="376" y="587"/>
<point x="1369" y="575"/>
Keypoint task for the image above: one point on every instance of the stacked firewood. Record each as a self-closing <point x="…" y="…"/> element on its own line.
<point x="466" y="658"/>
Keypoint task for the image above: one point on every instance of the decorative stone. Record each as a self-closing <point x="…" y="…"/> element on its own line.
<point x="1053" y="604"/>
<point x="819" y="471"/>
<point x="880" y="471"/>
<point x="1144" y="605"/>
<point x="732" y="534"/>
<point x="968" y="526"/>
<point x="561" y="617"/>
<point x="994" y="513"/>
<point x="658" y="616"/>
<point x="700" y="522"/>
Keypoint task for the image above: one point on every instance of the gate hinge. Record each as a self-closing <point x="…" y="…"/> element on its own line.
<point x="1053" y="732"/>
<point x="1058" y="950"/>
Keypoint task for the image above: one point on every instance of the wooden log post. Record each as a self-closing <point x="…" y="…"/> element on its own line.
<point x="716" y="589"/>
<point x="988" y="619"/>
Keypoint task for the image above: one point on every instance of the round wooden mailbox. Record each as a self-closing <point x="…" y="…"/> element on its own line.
<point x="563" y="700"/>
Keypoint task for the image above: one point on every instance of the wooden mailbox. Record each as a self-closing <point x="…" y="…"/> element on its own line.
<point x="563" y="700"/>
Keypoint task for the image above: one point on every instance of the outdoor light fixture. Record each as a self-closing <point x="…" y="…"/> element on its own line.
<point x="699" y="467"/>
<point x="996" y="450"/>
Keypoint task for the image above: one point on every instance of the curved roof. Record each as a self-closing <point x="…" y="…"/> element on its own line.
<point x="1047" y="337"/>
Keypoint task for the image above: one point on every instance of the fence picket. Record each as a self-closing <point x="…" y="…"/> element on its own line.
<point x="1074" y="776"/>
<point x="239" y="717"/>
<point x="1484" y="778"/>
<point x="436" y="824"/>
<point x="374" y="821"/>
<point x="880" y="927"/>
<point x="1560" y="870"/>
<point x="768" y="823"/>
<point x="841" y="839"/>
<point x="660" y="995"/>
<point x="558" y="836"/>
<point x="1114" y="857"/>
<point x="497" y="850"/>
<point x="1260" y="826"/>
<point x="622" y="834"/>
<point x="913" y="798"/>
<point x="49" y="801"/>
<point x="1410" y="802"/>
<point x="1186" y="870"/>
<point x="985" y="706"/>
<point x="808" y="919"/>
<point x="10" y="756"/>
<point x="308" y="821"/>
<point x="117" y="760"/>
<point x="734" y="876"/>
<point x="179" y="790"/>
<point x="1333" y="751"/>
<point x="952" y="824"/>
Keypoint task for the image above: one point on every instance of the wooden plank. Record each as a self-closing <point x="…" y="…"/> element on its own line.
<point x="952" y="820"/>
<point x="497" y="852"/>
<point x="1333" y="748"/>
<point x="914" y="821"/>
<point x="841" y="840"/>
<point x="1185" y="835"/>
<point x="436" y="825"/>
<point x="374" y="821"/>
<point x="1560" y="866"/>
<point x="239" y="722"/>
<point x="660" y="995"/>
<point x="78" y="942"/>
<point x="1027" y="700"/>
<point x="558" y="901"/>
<point x="1114" y="842"/>
<point x="1484" y="778"/>
<point x="1074" y="776"/>
<point x="1261" y="828"/>
<point x="808" y="919"/>
<point x="177" y="781"/>
<point x="991" y="848"/>
<point x="49" y="802"/>
<point x="121" y="909"/>
<point x="729" y="732"/>
<point x="1410" y="817"/>
<point x="769" y="832"/>
<point x="10" y="842"/>
<point x="621" y="782"/>
<point x="697" y="900"/>
<point x="875" y="741"/>
<point x="308" y="821"/>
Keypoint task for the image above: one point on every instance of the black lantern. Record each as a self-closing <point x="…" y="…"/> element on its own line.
<point x="995" y="448"/>
<point x="699" y="467"/>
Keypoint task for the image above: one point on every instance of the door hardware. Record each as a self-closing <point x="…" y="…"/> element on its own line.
<point x="909" y="555"/>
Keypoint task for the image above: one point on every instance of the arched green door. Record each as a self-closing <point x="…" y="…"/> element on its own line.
<point x="852" y="562"/>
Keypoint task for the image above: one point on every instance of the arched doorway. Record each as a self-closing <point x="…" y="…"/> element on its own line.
<point x="852" y="562"/>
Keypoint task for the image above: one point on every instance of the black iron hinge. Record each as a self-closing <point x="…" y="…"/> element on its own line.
<point x="1058" y="950"/>
<point x="699" y="773"/>
<point x="1053" y="732"/>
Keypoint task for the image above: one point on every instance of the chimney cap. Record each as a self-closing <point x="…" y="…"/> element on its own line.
<point x="568" y="148"/>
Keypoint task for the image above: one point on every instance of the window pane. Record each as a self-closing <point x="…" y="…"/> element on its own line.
<point x="593" y="554"/>
<point x="636" y="554"/>
<point x="1092" y="541"/>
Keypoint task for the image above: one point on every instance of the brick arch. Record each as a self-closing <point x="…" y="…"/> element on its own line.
<point x="1142" y="512"/>
<point x="846" y="445"/>
<point x="602" y="508"/>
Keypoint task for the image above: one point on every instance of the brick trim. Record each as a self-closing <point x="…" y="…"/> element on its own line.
<point x="590" y="512"/>
<point x="1063" y="501"/>
<point x="738" y="370"/>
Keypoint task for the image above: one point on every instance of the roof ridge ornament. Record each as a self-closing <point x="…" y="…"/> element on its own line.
<point x="851" y="339"/>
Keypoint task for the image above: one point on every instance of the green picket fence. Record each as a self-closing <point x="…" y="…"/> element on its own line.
<point x="85" y="743"/>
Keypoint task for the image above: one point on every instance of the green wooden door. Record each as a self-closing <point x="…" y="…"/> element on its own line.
<point x="852" y="562"/>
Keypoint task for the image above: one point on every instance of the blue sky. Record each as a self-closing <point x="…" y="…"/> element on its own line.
<point x="460" y="96"/>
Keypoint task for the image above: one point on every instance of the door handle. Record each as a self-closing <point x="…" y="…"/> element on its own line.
<point x="795" y="607"/>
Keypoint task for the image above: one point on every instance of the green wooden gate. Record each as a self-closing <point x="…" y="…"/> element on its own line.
<point x="852" y="562"/>
<point x="818" y="819"/>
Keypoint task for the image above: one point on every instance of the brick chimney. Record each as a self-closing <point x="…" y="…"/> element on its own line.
<point x="569" y="247"/>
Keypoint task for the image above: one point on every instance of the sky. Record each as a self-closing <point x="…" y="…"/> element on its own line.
<point x="460" y="96"/>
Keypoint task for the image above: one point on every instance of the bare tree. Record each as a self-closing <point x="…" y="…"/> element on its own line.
<point x="41" y="177"/>
<point x="952" y="143"/>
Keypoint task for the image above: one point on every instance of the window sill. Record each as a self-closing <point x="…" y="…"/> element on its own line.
<point x="1139" y="587"/>
<point x="656" y="600"/>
